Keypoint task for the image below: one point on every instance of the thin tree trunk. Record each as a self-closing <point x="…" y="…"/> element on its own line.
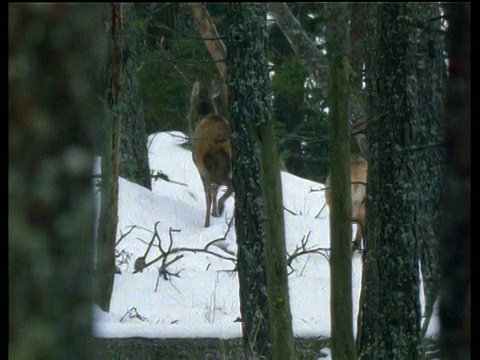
<point x="105" y="267"/>
<point x="338" y="48"/>
<point x="255" y="26"/>
<point x="134" y="164"/>
<point x="52" y="117"/>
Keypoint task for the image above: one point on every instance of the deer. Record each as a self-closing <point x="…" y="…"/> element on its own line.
<point x="358" y="170"/>
<point x="211" y="149"/>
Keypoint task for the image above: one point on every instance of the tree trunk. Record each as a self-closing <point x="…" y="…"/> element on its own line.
<point x="134" y="164"/>
<point x="389" y="320"/>
<point x="455" y="312"/>
<point x="249" y="227"/>
<point x="52" y="82"/>
<point x="255" y="39"/>
<point x="358" y="49"/>
<point x="431" y="77"/>
<point x="338" y="48"/>
<point x="105" y="267"/>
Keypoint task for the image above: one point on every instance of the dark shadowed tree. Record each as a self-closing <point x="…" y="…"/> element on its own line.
<point x="404" y="82"/>
<point x="55" y="52"/>
<point x="289" y="91"/>
<point x="338" y="51"/>
<point x="431" y="75"/>
<point x="112" y="132"/>
<point x="455" y="341"/>
<point x="134" y="164"/>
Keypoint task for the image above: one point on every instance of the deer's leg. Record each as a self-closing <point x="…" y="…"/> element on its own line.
<point x="208" y="201"/>
<point x="357" y="241"/>
<point x="224" y="197"/>
<point x="358" y="214"/>
<point x="214" y="193"/>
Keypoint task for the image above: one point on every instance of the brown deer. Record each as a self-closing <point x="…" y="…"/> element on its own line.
<point x="211" y="149"/>
<point x="358" y="167"/>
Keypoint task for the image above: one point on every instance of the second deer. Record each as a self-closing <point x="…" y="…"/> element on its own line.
<point x="358" y="170"/>
<point x="211" y="149"/>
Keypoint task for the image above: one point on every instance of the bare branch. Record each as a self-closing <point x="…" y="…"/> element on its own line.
<point x="141" y="263"/>
<point x="161" y="175"/>
<point x="303" y="250"/>
<point x="290" y="211"/>
<point x="323" y="207"/>
<point x="162" y="270"/>
<point x="123" y="236"/>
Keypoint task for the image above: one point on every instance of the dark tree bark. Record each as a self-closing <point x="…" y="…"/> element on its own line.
<point x="389" y="320"/>
<point x="53" y="85"/>
<point x="249" y="227"/>
<point x="134" y="164"/>
<point x="250" y="110"/>
<point x="288" y="102"/>
<point x="288" y="110"/>
<point x="358" y="49"/>
<point x="431" y="74"/>
<point x="455" y="312"/>
<point x="112" y="127"/>
<point x="338" y="51"/>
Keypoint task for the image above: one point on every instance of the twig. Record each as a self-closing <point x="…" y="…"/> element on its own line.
<point x="302" y="250"/>
<point x="122" y="236"/>
<point x="318" y="215"/>
<point x="161" y="175"/>
<point x="223" y="238"/>
<point x="140" y="263"/>
<point x="162" y="270"/>
<point x="290" y="211"/>
<point x="133" y="313"/>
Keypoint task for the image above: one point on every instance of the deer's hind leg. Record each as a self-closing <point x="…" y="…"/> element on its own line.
<point x="208" y="200"/>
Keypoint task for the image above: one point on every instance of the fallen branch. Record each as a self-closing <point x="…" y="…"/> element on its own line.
<point x="161" y="175"/>
<point x="141" y="263"/>
<point x="303" y="250"/>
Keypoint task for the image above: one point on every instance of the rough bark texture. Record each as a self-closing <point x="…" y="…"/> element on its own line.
<point x="456" y="238"/>
<point x="431" y="70"/>
<point x="112" y="127"/>
<point x="249" y="224"/>
<point x="52" y="82"/>
<point x="134" y="164"/>
<point x="338" y="48"/>
<point x="358" y="49"/>
<point x="389" y="320"/>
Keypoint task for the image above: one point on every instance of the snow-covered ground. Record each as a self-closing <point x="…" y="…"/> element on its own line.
<point x="203" y="301"/>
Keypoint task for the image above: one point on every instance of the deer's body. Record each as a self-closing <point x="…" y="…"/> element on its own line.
<point x="211" y="152"/>
<point x="358" y="172"/>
